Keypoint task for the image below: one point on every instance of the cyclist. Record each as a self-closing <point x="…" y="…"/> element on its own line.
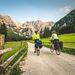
<point x="37" y="40"/>
<point x="54" y="38"/>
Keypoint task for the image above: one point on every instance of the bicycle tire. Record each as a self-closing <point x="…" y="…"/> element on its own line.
<point x="38" y="52"/>
<point x="58" y="51"/>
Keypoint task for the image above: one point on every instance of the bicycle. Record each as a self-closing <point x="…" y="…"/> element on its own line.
<point x="37" y="50"/>
<point x="57" y="46"/>
<point x="38" y="46"/>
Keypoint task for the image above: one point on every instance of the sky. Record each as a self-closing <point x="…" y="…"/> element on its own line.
<point x="31" y="10"/>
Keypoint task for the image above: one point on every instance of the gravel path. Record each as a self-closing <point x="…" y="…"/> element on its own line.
<point x="47" y="63"/>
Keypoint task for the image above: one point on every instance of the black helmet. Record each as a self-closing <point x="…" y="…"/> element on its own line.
<point x="53" y="31"/>
<point x="36" y="32"/>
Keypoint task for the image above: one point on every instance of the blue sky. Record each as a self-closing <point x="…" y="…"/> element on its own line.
<point x="29" y="10"/>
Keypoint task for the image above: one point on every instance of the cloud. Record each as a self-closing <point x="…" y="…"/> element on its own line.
<point x="65" y="9"/>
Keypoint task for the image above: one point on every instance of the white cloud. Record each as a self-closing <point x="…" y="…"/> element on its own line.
<point x="65" y="9"/>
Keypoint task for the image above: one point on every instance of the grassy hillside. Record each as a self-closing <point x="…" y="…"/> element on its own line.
<point x="67" y="38"/>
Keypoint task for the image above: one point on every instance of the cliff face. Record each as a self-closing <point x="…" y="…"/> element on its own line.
<point x="6" y="20"/>
<point x="37" y="25"/>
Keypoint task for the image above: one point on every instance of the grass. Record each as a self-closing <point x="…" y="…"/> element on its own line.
<point x="69" y="51"/>
<point x="71" y="45"/>
<point x="24" y="49"/>
<point x="16" y="70"/>
<point x="67" y="37"/>
<point x="15" y="47"/>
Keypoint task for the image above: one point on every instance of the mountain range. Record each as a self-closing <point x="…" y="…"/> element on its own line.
<point x="26" y="28"/>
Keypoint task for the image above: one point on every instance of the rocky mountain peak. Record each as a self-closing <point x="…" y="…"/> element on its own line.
<point x="27" y="27"/>
<point x="6" y="20"/>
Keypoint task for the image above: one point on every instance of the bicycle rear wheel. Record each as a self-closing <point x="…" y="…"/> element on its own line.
<point x="38" y="52"/>
<point x="51" y="50"/>
<point x="58" y="51"/>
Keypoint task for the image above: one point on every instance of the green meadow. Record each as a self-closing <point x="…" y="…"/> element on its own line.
<point x="68" y="40"/>
<point x="16" y="45"/>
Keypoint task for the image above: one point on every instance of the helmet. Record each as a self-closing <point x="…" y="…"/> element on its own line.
<point x="53" y="31"/>
<point x="36" y="32"/>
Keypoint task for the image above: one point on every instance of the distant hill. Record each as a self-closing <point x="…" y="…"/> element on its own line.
<point x="66" y="24"/>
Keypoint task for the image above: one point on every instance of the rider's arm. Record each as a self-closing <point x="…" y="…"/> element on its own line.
<point x="32" y="37"/>
<point x="39" y="37"/>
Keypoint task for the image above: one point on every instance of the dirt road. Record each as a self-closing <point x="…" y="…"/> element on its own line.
<point x="47" y="63"/>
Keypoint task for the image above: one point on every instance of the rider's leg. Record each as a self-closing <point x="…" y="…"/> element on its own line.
<point x="35" y="49"/>
<point x="38" y="51"/>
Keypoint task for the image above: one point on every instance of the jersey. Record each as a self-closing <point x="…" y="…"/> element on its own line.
<point x="35" y="36"/>
<point x="54" y="36"/>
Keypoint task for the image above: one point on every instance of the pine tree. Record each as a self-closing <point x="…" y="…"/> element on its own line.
<point x="3" y="30"/>
<point x="46" y="32"/>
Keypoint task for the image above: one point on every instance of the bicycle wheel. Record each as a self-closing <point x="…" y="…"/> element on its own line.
<point x="51" y="49"/>
<point x="38" y="52"/>
<point x="58" y="51"/>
